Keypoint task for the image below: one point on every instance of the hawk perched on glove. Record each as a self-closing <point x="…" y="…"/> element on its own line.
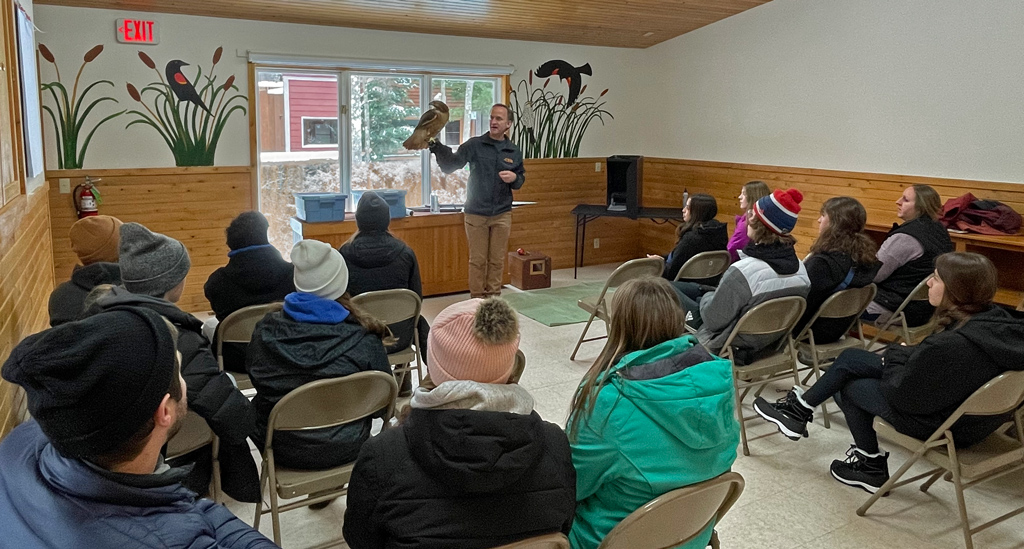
<point x="430" y="124"/>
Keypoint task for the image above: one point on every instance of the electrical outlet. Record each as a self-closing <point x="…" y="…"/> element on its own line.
<point x="65" y="185"/>
<point x="597" y="243"/>
<point x="597" y="166"/>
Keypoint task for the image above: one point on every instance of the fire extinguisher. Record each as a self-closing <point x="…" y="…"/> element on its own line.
<point x="86" y="198"/>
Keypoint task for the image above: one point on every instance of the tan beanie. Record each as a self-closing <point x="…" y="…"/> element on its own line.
<point x="473" y="340"/>
<point x="96" y="238"/>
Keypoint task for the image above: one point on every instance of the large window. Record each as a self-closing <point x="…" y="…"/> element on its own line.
<point x="339" y="131"/>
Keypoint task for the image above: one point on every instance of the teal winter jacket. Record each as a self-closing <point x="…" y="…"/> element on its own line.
<point x="664" y="418"/>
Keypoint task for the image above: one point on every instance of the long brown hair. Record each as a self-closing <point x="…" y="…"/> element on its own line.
<point x="644" y="312"/>
<point x="703" y="208"/>
<point x="369" y="323"/>
<point x="755" y="190"/>
<point x="927" y="202"/>
<point x="970" y="280"/>
<point x="845" y="231"/>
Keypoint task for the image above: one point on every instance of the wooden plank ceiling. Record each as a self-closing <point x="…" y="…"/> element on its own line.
<point x="617" y="23"/>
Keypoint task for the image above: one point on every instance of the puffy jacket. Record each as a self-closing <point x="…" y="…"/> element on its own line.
<point x="286" y="353"/>
<point x="211" y="393"/>
<point x="707" y="237"/>
<point x="462" y="478"/>
<point x="830" y="272"/>
<point x="49" y="501"/>
<point x="664" y="418"/>
<point x="67" y="299"/>
<point x="929" y="381"/>
<point x="934" y="240"/>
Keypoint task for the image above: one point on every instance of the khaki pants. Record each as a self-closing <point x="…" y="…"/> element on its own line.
<point x="488" y="244"/>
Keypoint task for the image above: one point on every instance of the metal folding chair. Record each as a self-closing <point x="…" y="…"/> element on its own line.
<point x="238" y="328"/>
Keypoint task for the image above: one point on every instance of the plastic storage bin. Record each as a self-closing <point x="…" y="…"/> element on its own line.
<point x="394" y="197"/>
<point x="316" y="207"/>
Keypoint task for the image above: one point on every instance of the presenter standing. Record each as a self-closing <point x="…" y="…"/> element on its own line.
<point x="495" y="170"/>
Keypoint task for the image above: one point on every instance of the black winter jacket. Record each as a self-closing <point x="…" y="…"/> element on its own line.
<point x="827" y="271"/>
<point x="460" y="478"/>
<point x="377" y="260"/>
<point x="211" y="393"/>
<point x="707" y="237"/>
<point x="66" y="300"/>
<point x="285" y="354"/>
<point x="930" y="380"/>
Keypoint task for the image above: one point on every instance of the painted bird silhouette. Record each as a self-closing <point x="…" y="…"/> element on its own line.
<point x="430" y="124"/>
<point x="565" y="71"/>
<point x="180" y="85"/>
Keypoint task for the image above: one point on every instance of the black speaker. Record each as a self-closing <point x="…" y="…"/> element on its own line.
<point x="625" y="181"/>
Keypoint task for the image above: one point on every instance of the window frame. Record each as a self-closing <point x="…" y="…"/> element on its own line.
<point x="302" y="121"/>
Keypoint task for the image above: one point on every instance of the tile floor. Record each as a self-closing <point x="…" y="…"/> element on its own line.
<point x="790" y="500"/>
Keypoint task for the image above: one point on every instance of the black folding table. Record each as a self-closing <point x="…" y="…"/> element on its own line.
<point x="585" y="213"/>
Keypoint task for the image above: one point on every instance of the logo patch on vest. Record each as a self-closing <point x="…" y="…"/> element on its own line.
<point x="508" y="160"/>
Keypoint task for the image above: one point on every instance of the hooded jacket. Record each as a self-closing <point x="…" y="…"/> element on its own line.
<point x="460" y="475"/>
<point x="707" y="237"/>
<point x="253" y="276"/>
<point x="311" y="339"/>
<point x="47" y="500"/>
<point x="830" y="272"/>
<point x="664" y="418"/>
<point x="67" y="299"/>
<point x="211" y="393"/>
<point x="767" y="272"/>
<point x="930" y="380"/>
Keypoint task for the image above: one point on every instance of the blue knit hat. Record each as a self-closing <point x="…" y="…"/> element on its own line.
<point x="779" y="210"/>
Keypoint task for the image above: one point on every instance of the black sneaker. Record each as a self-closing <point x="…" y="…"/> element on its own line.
<point x="787" y="414"/>
<point x="862" y="470"/>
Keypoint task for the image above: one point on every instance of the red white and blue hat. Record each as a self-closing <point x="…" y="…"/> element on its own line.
<point x="779" y="210"/>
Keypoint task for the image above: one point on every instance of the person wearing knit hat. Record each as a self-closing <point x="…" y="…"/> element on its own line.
<point x="95" y="240"/>
<point x="768" y="268"/>
<point x="105" y="394"/>
<point x="317" y="335"/>
<point x="151" y="263"/>
<point x="472" y="464"/>
<point x="254" y="275"/>
<point x="378" y="260"/>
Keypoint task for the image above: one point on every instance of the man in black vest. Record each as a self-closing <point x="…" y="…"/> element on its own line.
<point x="908" y="255"/>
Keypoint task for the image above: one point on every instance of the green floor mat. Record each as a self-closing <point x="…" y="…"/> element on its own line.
<point x="554" y="306"/>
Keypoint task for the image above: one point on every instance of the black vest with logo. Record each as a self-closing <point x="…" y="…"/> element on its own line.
<point x="893" y="290"/>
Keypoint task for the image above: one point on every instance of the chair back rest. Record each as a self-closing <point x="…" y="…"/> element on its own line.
<point x="705" y="265"/>
<point x="775" y="317"/>
<point x="193" y="434"/>
<point x="678" y="516"/>
<point x="332" y="402"/>
<point x="634" y="268"/>
<point x="390" y="306"/>
<point x="239" y="325"/>
<point x="547" y="541"/>
<point x="850" y="302"/>
<point x="517" y="370"/>
<point x="920" y="293"/>
<point x="1001" y="395"/>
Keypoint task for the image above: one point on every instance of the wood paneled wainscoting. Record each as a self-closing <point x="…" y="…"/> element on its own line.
<point x="26" y="280"/>
<point x="665" y="179"/>
<point x="193" y="205"/>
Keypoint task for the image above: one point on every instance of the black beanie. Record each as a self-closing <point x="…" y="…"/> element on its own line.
<point x="248" y="229"/>
<point x="94" y="383"/>
<point x="372" y="213"/>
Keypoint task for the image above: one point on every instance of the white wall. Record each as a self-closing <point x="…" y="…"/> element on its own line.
<point x="70" y="32"/>
<point x="917" y="87"/>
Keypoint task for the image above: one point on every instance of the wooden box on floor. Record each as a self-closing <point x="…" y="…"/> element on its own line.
<point x="530" y="271"/>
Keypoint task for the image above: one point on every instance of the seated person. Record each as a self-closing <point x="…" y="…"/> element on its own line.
<point x="318" y="335"/>
<point x="377" y="260"/>
<point x="654" y="413"/>
<point x="473" y="465"/>
<point x="770" y="269"/>
<point x="916" y="388"/>
<point x="106" y="394"/>
<point x="700" y="232"/>
<point x="751" y="192"/>
<point x="94" y="240"/>
<point x="908" y="255"/>
<point x="255" y="274"/>
<point x="153" y="269"/>
<point x="842" y="257"/>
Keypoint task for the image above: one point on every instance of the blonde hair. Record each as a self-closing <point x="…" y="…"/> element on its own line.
<point x="643" y="313"/>
<point x="927" y="202"/>
<point x="755" y="190"/>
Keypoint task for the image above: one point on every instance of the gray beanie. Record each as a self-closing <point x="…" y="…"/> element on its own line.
<point x="319" y="269"/>
<point x="151" y="264"/>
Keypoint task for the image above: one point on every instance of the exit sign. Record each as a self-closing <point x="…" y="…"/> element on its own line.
<point x="136" y="31"/>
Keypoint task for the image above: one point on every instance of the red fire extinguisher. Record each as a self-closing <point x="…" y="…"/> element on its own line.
<point x="86" y="198"/>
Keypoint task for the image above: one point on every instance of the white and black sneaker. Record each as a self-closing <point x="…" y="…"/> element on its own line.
<point x="865" y="471"/>
<point x="788" y="414"/>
